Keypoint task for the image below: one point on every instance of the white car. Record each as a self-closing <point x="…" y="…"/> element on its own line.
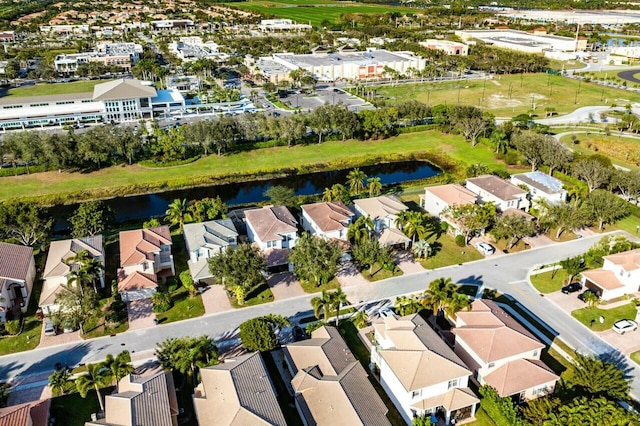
<point x="624" y="325"/>
<point x="485" y="248"/>
<point x="49" y="328"/>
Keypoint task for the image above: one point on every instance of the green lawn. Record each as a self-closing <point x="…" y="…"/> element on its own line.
<point x="44" y="89"/>
<point x="482" y="419"/>
<point x="510" y="95"/>
<point x="586" y="315"/>
<point x="258" y="296"/>
<point x="31" y="332"/>
<point x="73" y="410"/>
<point x="635" y="357"/>
<point x="184" y="307"/>
<point x="621" y="150"/>
<point x="450" y="254"/>
<point x="549" y="282"/>
<point x="310" y="287"/>
<point x="379" y="273"/>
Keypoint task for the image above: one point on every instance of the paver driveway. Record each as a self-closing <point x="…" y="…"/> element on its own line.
<point x="284" y="286"/>
<point x="215" y="300"/>
<point x="140" y="314"/>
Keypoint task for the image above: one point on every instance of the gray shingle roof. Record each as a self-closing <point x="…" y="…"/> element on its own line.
<point x="214" y="233"/>
<point x="15" y="261"/>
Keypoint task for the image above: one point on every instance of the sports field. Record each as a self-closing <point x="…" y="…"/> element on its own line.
<point x="510" y="95"/>
<point x="44" y="89"/>
<point x="314" y="11"/>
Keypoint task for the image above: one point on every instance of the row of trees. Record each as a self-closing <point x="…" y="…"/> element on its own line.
<point x="442" y="296"/>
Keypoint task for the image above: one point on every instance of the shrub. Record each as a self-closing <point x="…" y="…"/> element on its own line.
<point x="187" y="281"/>
<point x="501" y="410"/>
<point x="12" y="327"/>
<point x="172" y="284"/>
<point x="161" y="302"/>
<point x="511" y="158"/>
<point x="460" y="242"/>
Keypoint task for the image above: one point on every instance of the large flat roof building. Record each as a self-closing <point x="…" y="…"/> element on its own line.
<point x="523" y="41"/>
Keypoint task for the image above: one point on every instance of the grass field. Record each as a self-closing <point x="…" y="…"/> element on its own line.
<point x="586" y="315"/>
<point x="548" y="282"/>
<point x="314" y="11"/>
<point x="624" y="151"/>
<point x="510" y="95"/>
<point x="44" y="89"/>
<point x="448" y="253"/>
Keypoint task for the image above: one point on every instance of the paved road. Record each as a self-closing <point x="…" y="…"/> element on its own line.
<point x="507" y="274"/>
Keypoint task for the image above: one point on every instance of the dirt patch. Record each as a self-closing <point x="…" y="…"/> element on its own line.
<point x="497" y="101"/>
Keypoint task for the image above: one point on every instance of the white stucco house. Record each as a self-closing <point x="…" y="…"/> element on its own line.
<point x="326" y="219"/>
<point x="419" y="372"/>
<point x="145" y="254"/>
<point x="542" y="187"/>
<point x="58" y="268"/>
<point x="384" y="211"/>
<point x="619" y="275"/>
<point x="438" y="198"/>
<point x="205" y="240"/>
<point x="17" y="273"/>
<point x="503" y="194"/>
<point x="274" y="230"/>
<point x="501" y="352"/>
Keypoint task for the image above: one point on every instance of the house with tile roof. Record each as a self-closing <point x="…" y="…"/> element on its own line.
<point x="34" y="413"/>
<point x="141" y="400"/>
<point x="17" y="273"/>
<point x="384" y="211"/>
<point x="274" y="230"/>
<point x="58" y="268"/>
<point x="237" y="392"/>
<point x="419" y="372"/>
<point x="205" y="240"/>
<point x="501" y="352"/>
<point x="327" y="219"/>
<point x="438" y="198"/>
<point x="541" y="187"/>
<point x="144" y="255"/>
<point x="330" y="385"/>
<point x="619" y="275"/>
<point x="493" y="189"/>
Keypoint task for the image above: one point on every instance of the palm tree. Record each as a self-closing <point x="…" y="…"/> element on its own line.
<point x="414" y="225"/>
<point x="327" y="195"/>
<point x="338" y="297"/>
<point x="119" y="366"/>
<point x="422" y="249"/>
<point x="405" y="305"/>
<point x="176" y="212"/>
<point x="457" y="303"/>
<point x="58" y="381"/>
<point x="374" y="185"/>
<point x="97" y="376"/>
<point x="362" y="228"/>
<point x="85" y="269"/>
<point x="322" y="305"/>
<point x="360" y="319"/>
<point x="439" y="294"/>
<point x="355" y="180"/>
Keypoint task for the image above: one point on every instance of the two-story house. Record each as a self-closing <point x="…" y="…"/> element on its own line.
<point x="542" y="187"/>
<point x="437" y="199"/>
<point x="17" y="272"/>
<point x="144" y="254"/>
<point x="419" y="372"/>
<point x="274" y="230"/>
<point x="619" y="275"/>
<point x="501" y="352"/>
<point x="327" y="219"/>
<point x="60" y="264"/>
<point x="205" y="240"/>
<point x="237" y="392"/>
<point x="384" y="211"/>
<point x="331" y="387"/>
<point x="505" y="195"/>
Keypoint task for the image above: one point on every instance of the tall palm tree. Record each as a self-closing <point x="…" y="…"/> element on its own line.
<point x="176" y="212"/>
<point x="439" y="293"/>
<point x="322" y="304"/>
<point x="338" y="297"/>
<point x="119" y="366"/>
<point x="360" y="319"/>
<point x="355" y="180"/>
<point x="362" y="228"/>
<point x="457" y="302"/>
<point x="414" y="226"/>
<point x="374" y="185"/>
<point x="58" y="381"/>
<point x="97" y="376"/>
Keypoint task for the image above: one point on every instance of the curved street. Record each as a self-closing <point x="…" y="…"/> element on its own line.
<point x="507" y="274"/>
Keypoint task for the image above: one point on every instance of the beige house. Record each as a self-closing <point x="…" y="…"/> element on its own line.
<point x="144" y="254"/>
<point x="619" y="275"/>
<point x="327" y="219"/>
<point x="384" y="211"/>
<point x="57" y="269"/>
<point x="419" y="372"/>
<point x="438" y="198"/>
<point x="501" y="352"/>
<point x="274" y="230"/>
<point x="17" y="273"/>
<point x="34" y="413"/>
<point x="493" y="189"/>
<point x="141" y="400"/>
<point x="330" y="385"/>
<point x="237" y="392"/>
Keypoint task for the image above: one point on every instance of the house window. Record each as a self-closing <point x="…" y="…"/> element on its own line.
<point x="491" y="364"/>
<point x="416" y="394"/>
<point x="535" y="353"/>
<point x="542" y="390"/>
<point x="452" y="383"/>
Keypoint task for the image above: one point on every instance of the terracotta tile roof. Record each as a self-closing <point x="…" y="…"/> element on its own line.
<point x="60" y="251"/>
<point x="498" y="187"/>
<point x="519" y="375"/>
<point x="492" y="333"/>
<point x="518" y="213"/>
<point x="629" y="260"/>
<point x="453" y="194"/>
<point x="237" y="392"/>
<point x="34" y="413"/>
<point x="454" y="399"/>
<point x="139" y="245"/>
<point x="136" y="281"/>
<point x="329" y="216"/>
<point x="380" y="207"/>
<point x="271" y="222"/>
<point x="603" y="278"/>
<point x="15" y="261"/>
<point x="276" y="257"/>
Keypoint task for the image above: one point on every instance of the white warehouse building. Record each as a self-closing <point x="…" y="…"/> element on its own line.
<point x="523" y="41"/>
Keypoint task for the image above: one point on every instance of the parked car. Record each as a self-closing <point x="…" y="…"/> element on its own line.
<point x="624" y="325"/>
<point x="582" y="295"/>
<point x="485" y="248"/>
<point x="299" y="333"/>
<point x="49" y="328"/>
<point x="571" y="288"/>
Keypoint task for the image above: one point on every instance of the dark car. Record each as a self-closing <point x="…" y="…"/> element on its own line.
<point x="582" y="295"/>
<point x="299" y="333"/>
<point x="571" y="288"/>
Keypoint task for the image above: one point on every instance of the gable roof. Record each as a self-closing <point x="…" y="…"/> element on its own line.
<point x="380" y="207"/>
<point x="122" y="89"/>
<point x="629" y="260"/>
<point x="326" y="349"/>
<point x="210" y="234"/>
<point x="603" y="278"/>
<point x="519" y="375"/>
<point x="136" y="281"/>
<point x="139" y="245"/>
<point x="452" y="194"/>
<point x="60" y="251"/>
<point x="237" y="392"/>
<point x="541" y="181"/>
<point x="391" y="237"/>
<point x="497" y="187"/>
<point x="454" y="399"/>
<point x="34" y="413"/>
<point x="492" y="334"/>
<point x="15" y="261"/>
<point x="271" y="222"/>
<point x="328" y="216"/>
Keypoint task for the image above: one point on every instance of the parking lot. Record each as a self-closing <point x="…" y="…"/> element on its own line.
<point x="322" y="96"/>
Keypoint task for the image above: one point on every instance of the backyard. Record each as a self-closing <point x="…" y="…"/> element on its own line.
<point x="591" y="316"/>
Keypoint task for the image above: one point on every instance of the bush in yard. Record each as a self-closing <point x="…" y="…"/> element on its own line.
<point x="260" y="334"/>
<point x="161" y="301"/>
<point x="460" y="240"/>
<point x="501" y="410"/>
<point x="187" y="282"/>
<point x="172" y="284"/>
<point x="12" y="327"/>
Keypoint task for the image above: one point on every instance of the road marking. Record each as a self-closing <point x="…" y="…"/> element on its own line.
<point x="523" y="294"/>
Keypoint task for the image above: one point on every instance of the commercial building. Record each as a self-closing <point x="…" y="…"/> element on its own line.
<point x="449" y="47"/>
<point x="602" y="17"/>
<point x="277" y="25"/>
<point x="123" y="55"/>
<point x="192" y="48"/>
<point x="329" y="66"/>
<point x="536" y="42"/>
